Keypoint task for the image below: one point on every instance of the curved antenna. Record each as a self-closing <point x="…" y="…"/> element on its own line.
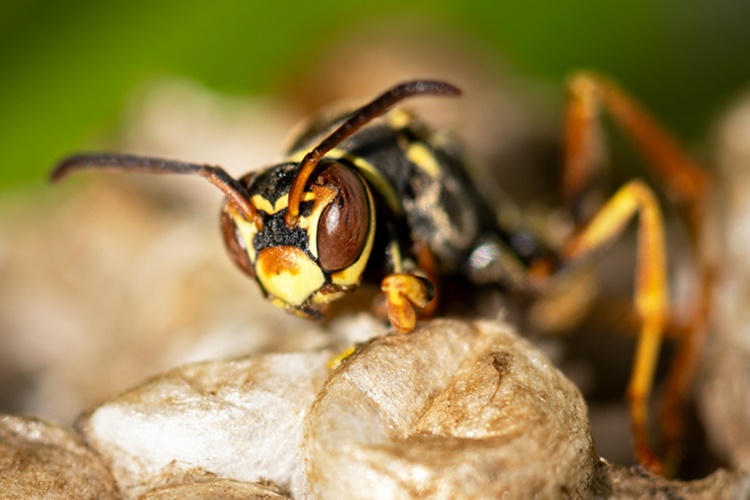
<point x="355" y="122"/>
<point x="234" y="191"/>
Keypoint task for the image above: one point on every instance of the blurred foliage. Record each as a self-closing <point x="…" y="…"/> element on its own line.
<point x="68" y="67"/>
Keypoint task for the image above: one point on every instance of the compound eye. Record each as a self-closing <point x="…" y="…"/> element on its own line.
<point x="235" y="244"/>
<point x="345" y="222"/>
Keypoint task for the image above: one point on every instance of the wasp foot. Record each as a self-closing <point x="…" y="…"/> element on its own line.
<point x="404" y="292"/>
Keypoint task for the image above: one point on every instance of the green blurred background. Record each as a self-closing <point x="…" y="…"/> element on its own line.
<point x="68" y="67"/>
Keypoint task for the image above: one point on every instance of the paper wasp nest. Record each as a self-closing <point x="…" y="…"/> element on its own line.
<point x="455" y="410"/>
<point x="40" y="459"/>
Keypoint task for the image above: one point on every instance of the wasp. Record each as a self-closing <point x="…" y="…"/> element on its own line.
<point x="376" y="195"/>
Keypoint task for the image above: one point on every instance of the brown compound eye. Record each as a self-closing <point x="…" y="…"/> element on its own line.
<point x="345" y="222"/>
<point x="235" y="245"/>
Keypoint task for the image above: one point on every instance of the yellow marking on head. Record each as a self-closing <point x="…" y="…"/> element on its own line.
<point x="247" y="230"/>
<point x="371" y="174"/>
<point x="263" y="204"/>
<point x="281" y="203"/>
<point x="322" y="196"/>
<point x="289" y="275"/>
<point x="419" y="154"/>
<point x="352" y="275"/>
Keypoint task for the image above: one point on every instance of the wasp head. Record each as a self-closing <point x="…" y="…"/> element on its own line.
<point x="303" y="265"/>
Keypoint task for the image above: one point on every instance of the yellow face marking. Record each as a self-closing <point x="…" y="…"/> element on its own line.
<point x="247" y="230"/>
<point x="421" y="156"/>
<point x="289" y="275"/>
<point x="265" y="205"/>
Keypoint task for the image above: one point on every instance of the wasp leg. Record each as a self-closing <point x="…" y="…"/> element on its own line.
<point x="685" y="182"/>
<point x="650" y="297"/>
<point x="427" y="265"/>
<point x="682" y="371"/>
<point x="408" y="284"/>
<point x="404" y="292"/>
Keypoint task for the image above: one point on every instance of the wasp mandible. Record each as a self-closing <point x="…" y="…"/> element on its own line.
<point x="361" y="198"/>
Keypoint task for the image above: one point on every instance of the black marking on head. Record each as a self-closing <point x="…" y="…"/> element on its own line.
<point x="274" y="182"/>
<point x="276" y="233"/>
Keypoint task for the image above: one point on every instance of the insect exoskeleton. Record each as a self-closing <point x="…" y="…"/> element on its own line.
<point x="321" y="257"/>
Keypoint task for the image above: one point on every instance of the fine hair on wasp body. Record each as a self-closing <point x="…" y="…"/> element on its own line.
<point x="376" y="195"/>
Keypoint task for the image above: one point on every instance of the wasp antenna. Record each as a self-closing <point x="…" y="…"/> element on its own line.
<point x="357" y="120"/>
<point x="234" y="191"/>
